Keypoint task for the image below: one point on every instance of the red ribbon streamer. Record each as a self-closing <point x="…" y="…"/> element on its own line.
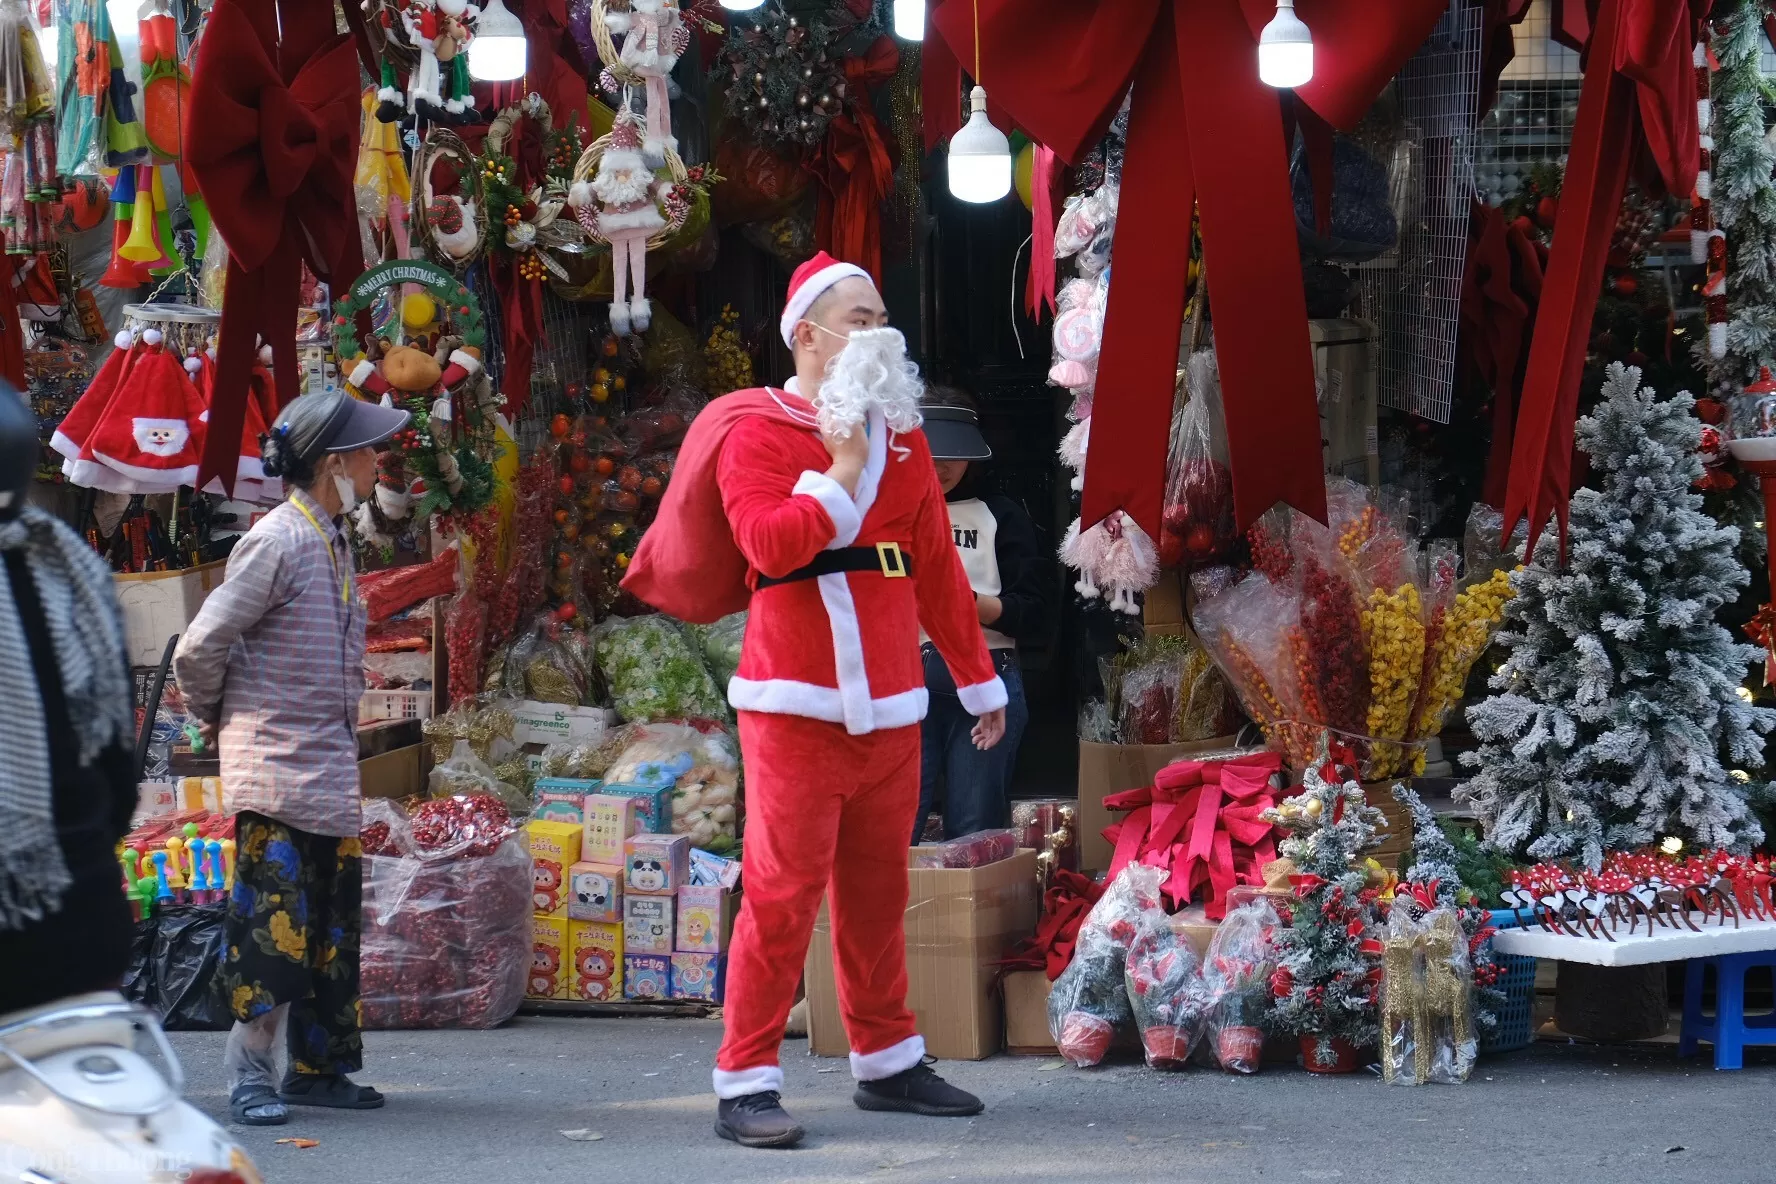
<point x="1045" y="181"/>
<point x="1065" y="905"/>
<point x="274" y="160"/>
<point x="1500" y="289"/>
<point x="854" y="167"/>
<point x="1638" y="84"/>
<point x="1203" y="128"/>
<point x="1199" y="820"/>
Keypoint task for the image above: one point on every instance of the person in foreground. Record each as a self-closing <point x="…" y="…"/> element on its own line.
<point x="272" y="666"/>
<point x="67" y="730"/>
<point x="819" y="506"/>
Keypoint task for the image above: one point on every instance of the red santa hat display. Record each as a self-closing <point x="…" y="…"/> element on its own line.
<point x="76" y="427"/>
<point x="809" y="282"/>
<point x="151" y="434"/>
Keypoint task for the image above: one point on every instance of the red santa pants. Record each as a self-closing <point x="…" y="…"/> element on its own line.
<point x="826" y="812"/>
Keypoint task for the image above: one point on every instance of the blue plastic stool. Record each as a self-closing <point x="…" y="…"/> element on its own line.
<point x="1728" y="1029"/>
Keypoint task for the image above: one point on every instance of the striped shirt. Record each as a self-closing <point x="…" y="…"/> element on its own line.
<point x="276" y="654"/>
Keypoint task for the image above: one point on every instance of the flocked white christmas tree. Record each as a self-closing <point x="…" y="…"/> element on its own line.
<point x="1621" y="695"/>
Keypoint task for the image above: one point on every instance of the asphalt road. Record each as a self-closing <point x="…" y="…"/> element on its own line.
<point x="490" y="1108"/>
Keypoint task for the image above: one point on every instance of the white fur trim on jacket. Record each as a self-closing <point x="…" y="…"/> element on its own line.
<point x="803" y="298"/>
<point x="846" y="519"/>
<point x="737" y="1083"/>
<point x="896" y="1058"/>
<point x="648" y="217"/>
<point x="982" y="697"/>
<point x="786" y="696"/>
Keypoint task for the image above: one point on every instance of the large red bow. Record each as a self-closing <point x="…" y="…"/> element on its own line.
<point x="1200" y="821"/>
<point x="1202" y="128"/>
<point x="1639" y="83"/>
<point x="854" y="167"/>
<point x="274" y="154"/>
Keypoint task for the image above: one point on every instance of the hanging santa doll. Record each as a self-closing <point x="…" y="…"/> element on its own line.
<point x="654" y="36"/>
<point x="629" y="198"/>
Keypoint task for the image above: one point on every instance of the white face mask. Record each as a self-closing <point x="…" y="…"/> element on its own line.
<point x="348" y="493"/>
<point x="872" y="373"/>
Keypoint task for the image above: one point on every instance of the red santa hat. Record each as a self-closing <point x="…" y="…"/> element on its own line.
<point x="809" y="282"/>
<point x="72" y="433"/>
<point x="153" y="431"/>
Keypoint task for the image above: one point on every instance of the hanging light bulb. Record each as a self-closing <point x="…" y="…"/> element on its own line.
<point x="1285" y="49"/>
<point x="909" y="20"/>
<point x="741" y="5"/>
<point x="980" y="156"/>
<point x="497" y="52"/>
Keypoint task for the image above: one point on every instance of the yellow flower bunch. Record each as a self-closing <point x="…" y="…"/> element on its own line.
<point x="1467" y="629"/>
<point x="729" y="365"/>
<point x="1394" y="626"/>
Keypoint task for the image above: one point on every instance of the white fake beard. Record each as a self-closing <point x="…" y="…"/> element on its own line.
<point x="621" y="184"/>
<point x="872" y="372"/>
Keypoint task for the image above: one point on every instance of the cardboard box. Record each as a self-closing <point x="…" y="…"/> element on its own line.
<point x="959" y="923"/>
<point x="554" y="847"/>
<point x="158" y="605"/>
<point x="201" y="793"/>
<point x="610" y="820"/>
<point x="699" y="976"/>
<point x="398" y="773"/>
<point x="1105" y="769"/>
<point x="595" y="893"/>
<point x="548" y="978"/>
<point x="597" y="961"/>
<point x="647" y="976"/>
<point x="705" y="918"/>
<point x="1163" y="606"/>
<point x="655" y="864"/>
<point x="545" y="723"/>
<point x="1026" y="1013"/>
<point x="647" y="924"/>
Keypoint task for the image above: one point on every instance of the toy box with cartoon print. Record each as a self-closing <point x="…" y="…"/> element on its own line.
<point x="597" y="961"/>
<point x="653" y="804"/>
<point x="562" y="799"/>
<point x="647" y="924"/>
<point x="647" y="976"/>
<point x="699" y="976"/>
<point x="705" y="918"/>
<point x="595" y="892"/>
<point x="655" y="864"/>
<point x="610" y="820"/>
<point x="548" y="977"/>
<point x="554" y="847"/>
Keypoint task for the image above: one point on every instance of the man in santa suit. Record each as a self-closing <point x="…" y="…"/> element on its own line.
<point x="818" y="508"/>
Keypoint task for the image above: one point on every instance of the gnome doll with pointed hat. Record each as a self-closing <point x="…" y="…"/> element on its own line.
<point x="629" y="198"/>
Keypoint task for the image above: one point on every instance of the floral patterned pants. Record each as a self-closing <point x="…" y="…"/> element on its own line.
<point x="294" y="927"/>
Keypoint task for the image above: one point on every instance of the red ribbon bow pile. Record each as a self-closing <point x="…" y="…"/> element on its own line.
<point x="1201" y="821"/>
<point x="1069" y="900"/>
<point x="855" y="167"/>
<point x="274" y="154"/>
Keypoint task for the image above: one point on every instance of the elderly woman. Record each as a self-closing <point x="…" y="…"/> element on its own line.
<point x="272" y="667"/>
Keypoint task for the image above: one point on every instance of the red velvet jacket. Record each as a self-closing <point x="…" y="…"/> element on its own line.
<point x="783" y="511"/>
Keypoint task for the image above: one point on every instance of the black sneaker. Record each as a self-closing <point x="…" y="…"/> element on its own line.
<point x="918" y="1090"/>
<point x="757" y="1120"/>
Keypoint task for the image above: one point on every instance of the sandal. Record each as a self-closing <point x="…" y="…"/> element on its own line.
<point x="257" y="1105"/>
<point x="333" y="1090"/>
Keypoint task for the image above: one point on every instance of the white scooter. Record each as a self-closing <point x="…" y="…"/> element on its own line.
<point x="80" y="1105"/>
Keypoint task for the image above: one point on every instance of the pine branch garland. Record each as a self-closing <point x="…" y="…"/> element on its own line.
<point x="1745" y="194"/>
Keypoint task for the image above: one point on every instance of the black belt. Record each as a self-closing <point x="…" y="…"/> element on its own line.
<point x="886" y="558"/>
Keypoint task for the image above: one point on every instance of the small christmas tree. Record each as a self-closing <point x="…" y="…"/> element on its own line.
<point x="1325" y="981"/>
<point x="1620" y="696"/>
<point x="1436" y="868"/>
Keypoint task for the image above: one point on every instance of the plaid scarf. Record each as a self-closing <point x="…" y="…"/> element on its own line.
<point x="80" y="611"/>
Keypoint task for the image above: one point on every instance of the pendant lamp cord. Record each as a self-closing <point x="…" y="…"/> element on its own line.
<point x="977" y="73"/>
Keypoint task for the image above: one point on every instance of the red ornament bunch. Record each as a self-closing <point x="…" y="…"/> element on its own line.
<point x="462" y="827"/>
<point x="1337" y="651"/>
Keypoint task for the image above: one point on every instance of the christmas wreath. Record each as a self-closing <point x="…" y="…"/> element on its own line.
<point x="786" y="75"/>
<point x="532" y="221"/>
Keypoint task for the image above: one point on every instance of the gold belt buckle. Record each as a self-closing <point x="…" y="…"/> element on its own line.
<point x="893" y="563"/>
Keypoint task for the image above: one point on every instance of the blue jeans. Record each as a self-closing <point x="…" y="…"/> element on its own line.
<point x="975" y="782"/>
